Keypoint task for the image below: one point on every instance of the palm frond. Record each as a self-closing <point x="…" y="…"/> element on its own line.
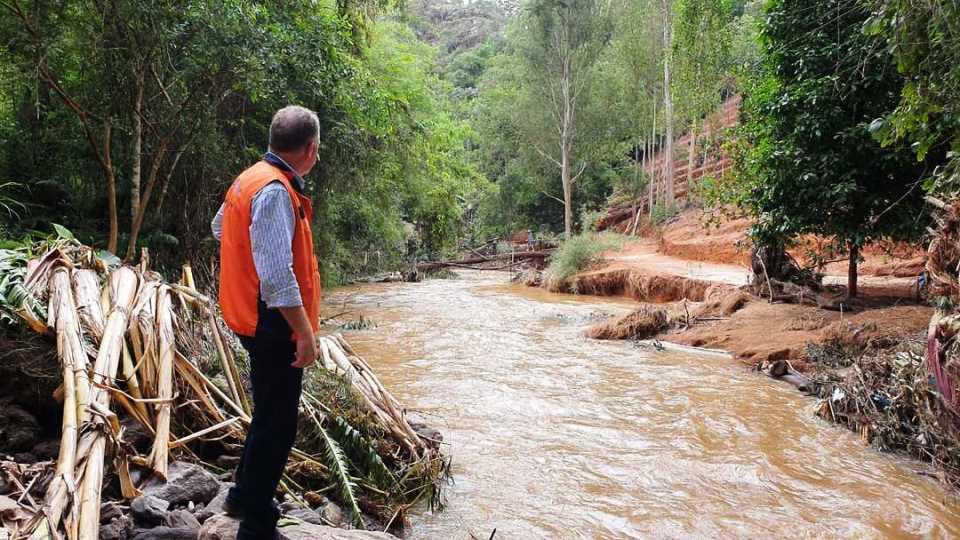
<point x="363" y="454"/>
<point x="14" y="297"/>
<point x="337" y="463"/>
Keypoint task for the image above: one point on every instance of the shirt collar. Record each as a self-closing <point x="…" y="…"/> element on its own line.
<point x="278" y="162"/>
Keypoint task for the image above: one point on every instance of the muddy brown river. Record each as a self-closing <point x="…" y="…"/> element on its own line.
<point x="556" y="436"/>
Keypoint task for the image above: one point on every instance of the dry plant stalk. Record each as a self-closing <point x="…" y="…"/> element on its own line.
<point x="165" y="347"/>
<point x="130" y="326"/>
<point x="123" y="286"/>
<point x="76" y="390"/>
<point x="339" y="357"/>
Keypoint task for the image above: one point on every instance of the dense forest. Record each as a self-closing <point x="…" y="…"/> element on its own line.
<point x="447" y="123"/>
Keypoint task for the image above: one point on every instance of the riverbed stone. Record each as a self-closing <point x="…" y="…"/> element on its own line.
<point x="333" y="514"/>
<point x="118" y="528"/>
<point x="185" y="482"/>
<point x="182" y="519"/>
<point x="223" y="527"/>
<point x="165" y="533"/>
<point x="215" y="506"/>
<point x="109" y="511"/>
<point x="149" y="510"/>
<point x="306" y="515"/>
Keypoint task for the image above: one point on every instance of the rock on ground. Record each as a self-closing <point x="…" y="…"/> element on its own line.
<point x="19" y="429"/>
<point x="186" y="482"/>
<point x="223" y="527"/>
<point x="117" y="529"/>
<point x="182" y="519"/>
<point x="149" y="510"/>
<point x="215" y="506"/>
<point x="165" y="533"/>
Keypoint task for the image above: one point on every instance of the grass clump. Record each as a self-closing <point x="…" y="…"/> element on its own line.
<point x="576" y="254"/>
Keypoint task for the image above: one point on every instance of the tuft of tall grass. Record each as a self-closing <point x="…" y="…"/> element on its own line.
<point x="576" y="254"/>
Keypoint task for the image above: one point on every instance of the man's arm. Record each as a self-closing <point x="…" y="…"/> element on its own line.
<point x="216" y="225"/>
<point x="271" y="237"/>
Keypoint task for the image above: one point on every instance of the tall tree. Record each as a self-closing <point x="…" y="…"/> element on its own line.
<point x="813" y="166"/>
<point x="924" y="38"/>
<point x="666" y="11"/>
<point x="566" y="38"/>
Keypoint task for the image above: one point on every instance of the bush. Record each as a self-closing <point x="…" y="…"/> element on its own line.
<point x="578" y="253"/>
<point x="662" y="212"/>
<point x="590" y="218"/>
<point x="631" y="184"/>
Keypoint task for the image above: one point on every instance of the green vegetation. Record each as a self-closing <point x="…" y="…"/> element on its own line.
<point x="133" y="144"/>
<point x="808" y="158"/>
<point x="637" y="75"/>
<point x="446" y="124"/>
<point x="578" y="253"/>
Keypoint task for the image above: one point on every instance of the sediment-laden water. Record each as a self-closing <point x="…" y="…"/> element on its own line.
<point x="556" y="436"/>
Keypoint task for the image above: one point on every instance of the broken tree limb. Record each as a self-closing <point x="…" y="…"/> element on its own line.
<point x="535" y="256"/>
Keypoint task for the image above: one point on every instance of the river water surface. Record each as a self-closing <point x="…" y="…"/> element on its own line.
<point x="556" y="436"/>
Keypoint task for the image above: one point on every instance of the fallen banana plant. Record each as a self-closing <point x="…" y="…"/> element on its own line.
<point x="134" y="349"/>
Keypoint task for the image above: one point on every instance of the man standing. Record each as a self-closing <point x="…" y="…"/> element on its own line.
<point x="270" y="297"/>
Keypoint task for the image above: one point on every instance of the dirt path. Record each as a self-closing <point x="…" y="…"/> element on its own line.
<point x="720" y="316"/>
<point x="644" y="256"/>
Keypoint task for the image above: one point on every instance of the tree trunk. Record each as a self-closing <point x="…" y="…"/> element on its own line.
<point x="142" y="209"/>
<point x="852" y="288"/>
<point x="691" y="158"/>
<point x="136" y="167"/>
<point x="166" y="183"/>
<point x="652" y="179"/>
<point x="107" y="164"/>
<point x="567" y="199"/>
<point x="566" y="133"/>
<point x="667" y="104"/>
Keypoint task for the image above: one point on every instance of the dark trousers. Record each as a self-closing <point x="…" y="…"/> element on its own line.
<point x="276" y="397"/>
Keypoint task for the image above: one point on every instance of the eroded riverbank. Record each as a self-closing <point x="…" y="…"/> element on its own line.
<point x="553" y="435"/>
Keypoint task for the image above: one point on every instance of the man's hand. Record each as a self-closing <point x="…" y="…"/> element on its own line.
<point x="306" y="342"/>
<point x="306" y="351"/>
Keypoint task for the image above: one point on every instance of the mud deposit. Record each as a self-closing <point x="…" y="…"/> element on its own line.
<point x="557" y="436"/>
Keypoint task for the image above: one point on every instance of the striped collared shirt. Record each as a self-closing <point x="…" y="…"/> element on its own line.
<point x="271" y="236"/>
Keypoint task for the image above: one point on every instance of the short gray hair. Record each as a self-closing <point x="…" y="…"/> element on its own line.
<point x="292" y="128"/>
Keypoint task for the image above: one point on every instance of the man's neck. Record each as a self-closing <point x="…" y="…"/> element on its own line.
<point x="290" y="160"/>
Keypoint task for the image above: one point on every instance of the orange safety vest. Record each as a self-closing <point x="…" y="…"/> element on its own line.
<point x="239" y="283"/>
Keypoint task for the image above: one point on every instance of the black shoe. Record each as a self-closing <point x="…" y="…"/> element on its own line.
<point x="236" y="510"/>
<point x="232" y="508"/>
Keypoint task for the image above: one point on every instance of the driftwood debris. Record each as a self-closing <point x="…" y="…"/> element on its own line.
<point x="537" y="258"/>
<point x="128" y="346"/>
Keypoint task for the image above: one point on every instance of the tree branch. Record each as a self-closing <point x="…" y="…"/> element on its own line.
<point x="547" y="156"/>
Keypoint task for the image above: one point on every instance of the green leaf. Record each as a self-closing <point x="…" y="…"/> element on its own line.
<point x="109" y="258"/>
<point x="337" y="463"/>
<point x="63" y="233"/>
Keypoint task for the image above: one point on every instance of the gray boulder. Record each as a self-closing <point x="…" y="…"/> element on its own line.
<point x="333" y="514"/>
<point x="306" y="515"/>
<point x="185" y="482"/>
<point x="182" y="519"/>
<point x="117" y="529"/>
<point x="223" y="527"/>
<point x="215" y="506"/>
<point x="149" y="510"/>
<point x="165" y="533"/>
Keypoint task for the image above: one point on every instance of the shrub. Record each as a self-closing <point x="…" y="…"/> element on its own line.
<point x="662" y="212"/>
<point x="576" y="254"/>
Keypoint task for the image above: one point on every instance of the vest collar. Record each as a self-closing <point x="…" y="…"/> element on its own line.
<point x="278" y="162"/>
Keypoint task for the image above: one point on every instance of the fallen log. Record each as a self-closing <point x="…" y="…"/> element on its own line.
<point x="617" y="216"/>
<point x="539" y="256"/>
